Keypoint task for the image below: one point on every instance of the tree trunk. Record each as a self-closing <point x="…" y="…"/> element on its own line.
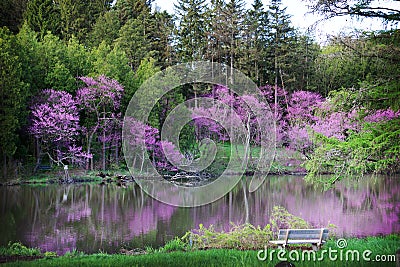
<point x="246" y="202"/>
<point x="104" y="141"/>
<point x="90" y="160"/>
<point x="116" y="152"/>
<point x="4" y="166"/>
<point x="276" y="93"/>
<point x="246" y="151"/>
<point x="104" y="151"/>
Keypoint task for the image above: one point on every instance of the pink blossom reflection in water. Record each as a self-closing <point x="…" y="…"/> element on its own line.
<point x="92" y="217"/>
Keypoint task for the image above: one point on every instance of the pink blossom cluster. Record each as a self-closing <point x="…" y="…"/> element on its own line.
<point x="382" y="115"/>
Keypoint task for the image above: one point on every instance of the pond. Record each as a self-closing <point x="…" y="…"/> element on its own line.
<point x="93" y="218"/>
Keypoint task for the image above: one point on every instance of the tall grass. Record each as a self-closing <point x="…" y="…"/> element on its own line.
<point x="387" y="245"/>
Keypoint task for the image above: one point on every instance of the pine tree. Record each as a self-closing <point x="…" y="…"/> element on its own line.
<point x="300" y="72"/>
<point x="132" y="9"/>
<point x="78" y="17"/>
<point x="191" y="32"/>
<point x="280" y="39"/>
<point x="43" y="16"/>
<point x="105" y="29"/>
<point x="134" y="41"/>
<point x="13" y="96"/>
<point x="234" y="16"/>
<point x="215" y="31"/>
<point x="256" y="34"/>
<point x="162" y="28"/>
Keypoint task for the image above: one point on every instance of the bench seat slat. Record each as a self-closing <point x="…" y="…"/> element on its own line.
<point x="297" y="241"/>
<point x="301" y="236"/>
<point x="305" y="236"/>
<point x="303" y="233"/>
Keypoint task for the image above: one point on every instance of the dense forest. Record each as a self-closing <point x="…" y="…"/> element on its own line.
<point x="68" y="70"/>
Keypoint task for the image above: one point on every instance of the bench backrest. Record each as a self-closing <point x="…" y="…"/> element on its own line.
<point x="303" y="234"/>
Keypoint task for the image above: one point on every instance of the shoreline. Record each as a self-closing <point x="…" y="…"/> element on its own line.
<point x="107" y="178"/>
<point x="171" y="255"/>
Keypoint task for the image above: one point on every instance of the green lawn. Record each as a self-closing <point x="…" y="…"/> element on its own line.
<point x="229" y="257"/>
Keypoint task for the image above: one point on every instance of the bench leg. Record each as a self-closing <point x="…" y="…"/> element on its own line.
<point x="315" y="247"/>
<point x="282" y="246"/>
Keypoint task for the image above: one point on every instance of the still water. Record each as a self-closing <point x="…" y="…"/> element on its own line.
<point x="93" y="218"/>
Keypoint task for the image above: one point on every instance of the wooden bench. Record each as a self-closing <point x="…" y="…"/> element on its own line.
<point x="315" y="237"/>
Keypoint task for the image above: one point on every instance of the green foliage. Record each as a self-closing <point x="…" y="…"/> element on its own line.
<point x="131" y="9"/>
<point x="244" y="236"/>
<point x="113" y="63"/>
<point x="17" y="249"/>
<point x="74" y="253"/>
<point x="191" y="32"/>
<point x="61" y="78"/>
<point x="376" y="148"/>
<point x="367" y="62"/>
<point x="386" y="245"/>
<point x="282" y="219"/>
<point x="32" y="59"/>
<point x="134" y="42"/>
<point x="12" y="14"/>
<point x="50" y="254"/>
<point x="175" y="244"/>
<point x="105" y="29"/>
<point x="62" y="63"/>
<point x="128" y="41"/>
<point x="43" y="16"/>
<point x="77" y="18"/>
<point x="14" y="94"/>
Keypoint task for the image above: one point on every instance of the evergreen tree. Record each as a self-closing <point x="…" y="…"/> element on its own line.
<point x="132" y="9"/>
<point x="256" y="34"/>
<point x="13" y="96"/>
<point x="162" y="28"/>
<point x="11" y="14"/>
<point x="78" y="17"/>
<point x="32" y="59"/>
<point x="215" y="31"/>
<point x="233" y="39"/>
<point x="43" y="16"/>
<point x="302" y="56"/>
<point x="191" y="37"/>
<point x="105" y="29"/>
<point x="134" y="41"/>
<point x="280" y="39"/>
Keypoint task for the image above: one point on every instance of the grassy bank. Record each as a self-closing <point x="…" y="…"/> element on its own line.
<point x="56" y="176"/>
<point x="173" y="254"/>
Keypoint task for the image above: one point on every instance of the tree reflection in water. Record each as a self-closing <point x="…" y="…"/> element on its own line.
<point x="92" y="217"/>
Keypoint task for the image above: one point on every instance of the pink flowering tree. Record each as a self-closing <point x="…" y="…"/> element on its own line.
<point x="381" y="115"/>
<point x="277" y="98"/>
<point x="243" y="117"/>
<point x="144" y="141"/>
<point x="55" y="126"/>
<point x="299" y="119"/>
<point x="100" y="99"/>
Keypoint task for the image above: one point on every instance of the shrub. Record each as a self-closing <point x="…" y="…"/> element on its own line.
<point x="17" y="249"/>
<point x="244" y="236"/>
<point x="282" y="219"/>
<point x="175" y="244"/>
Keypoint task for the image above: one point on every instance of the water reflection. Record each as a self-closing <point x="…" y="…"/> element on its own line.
<point x="93" y="217"/>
